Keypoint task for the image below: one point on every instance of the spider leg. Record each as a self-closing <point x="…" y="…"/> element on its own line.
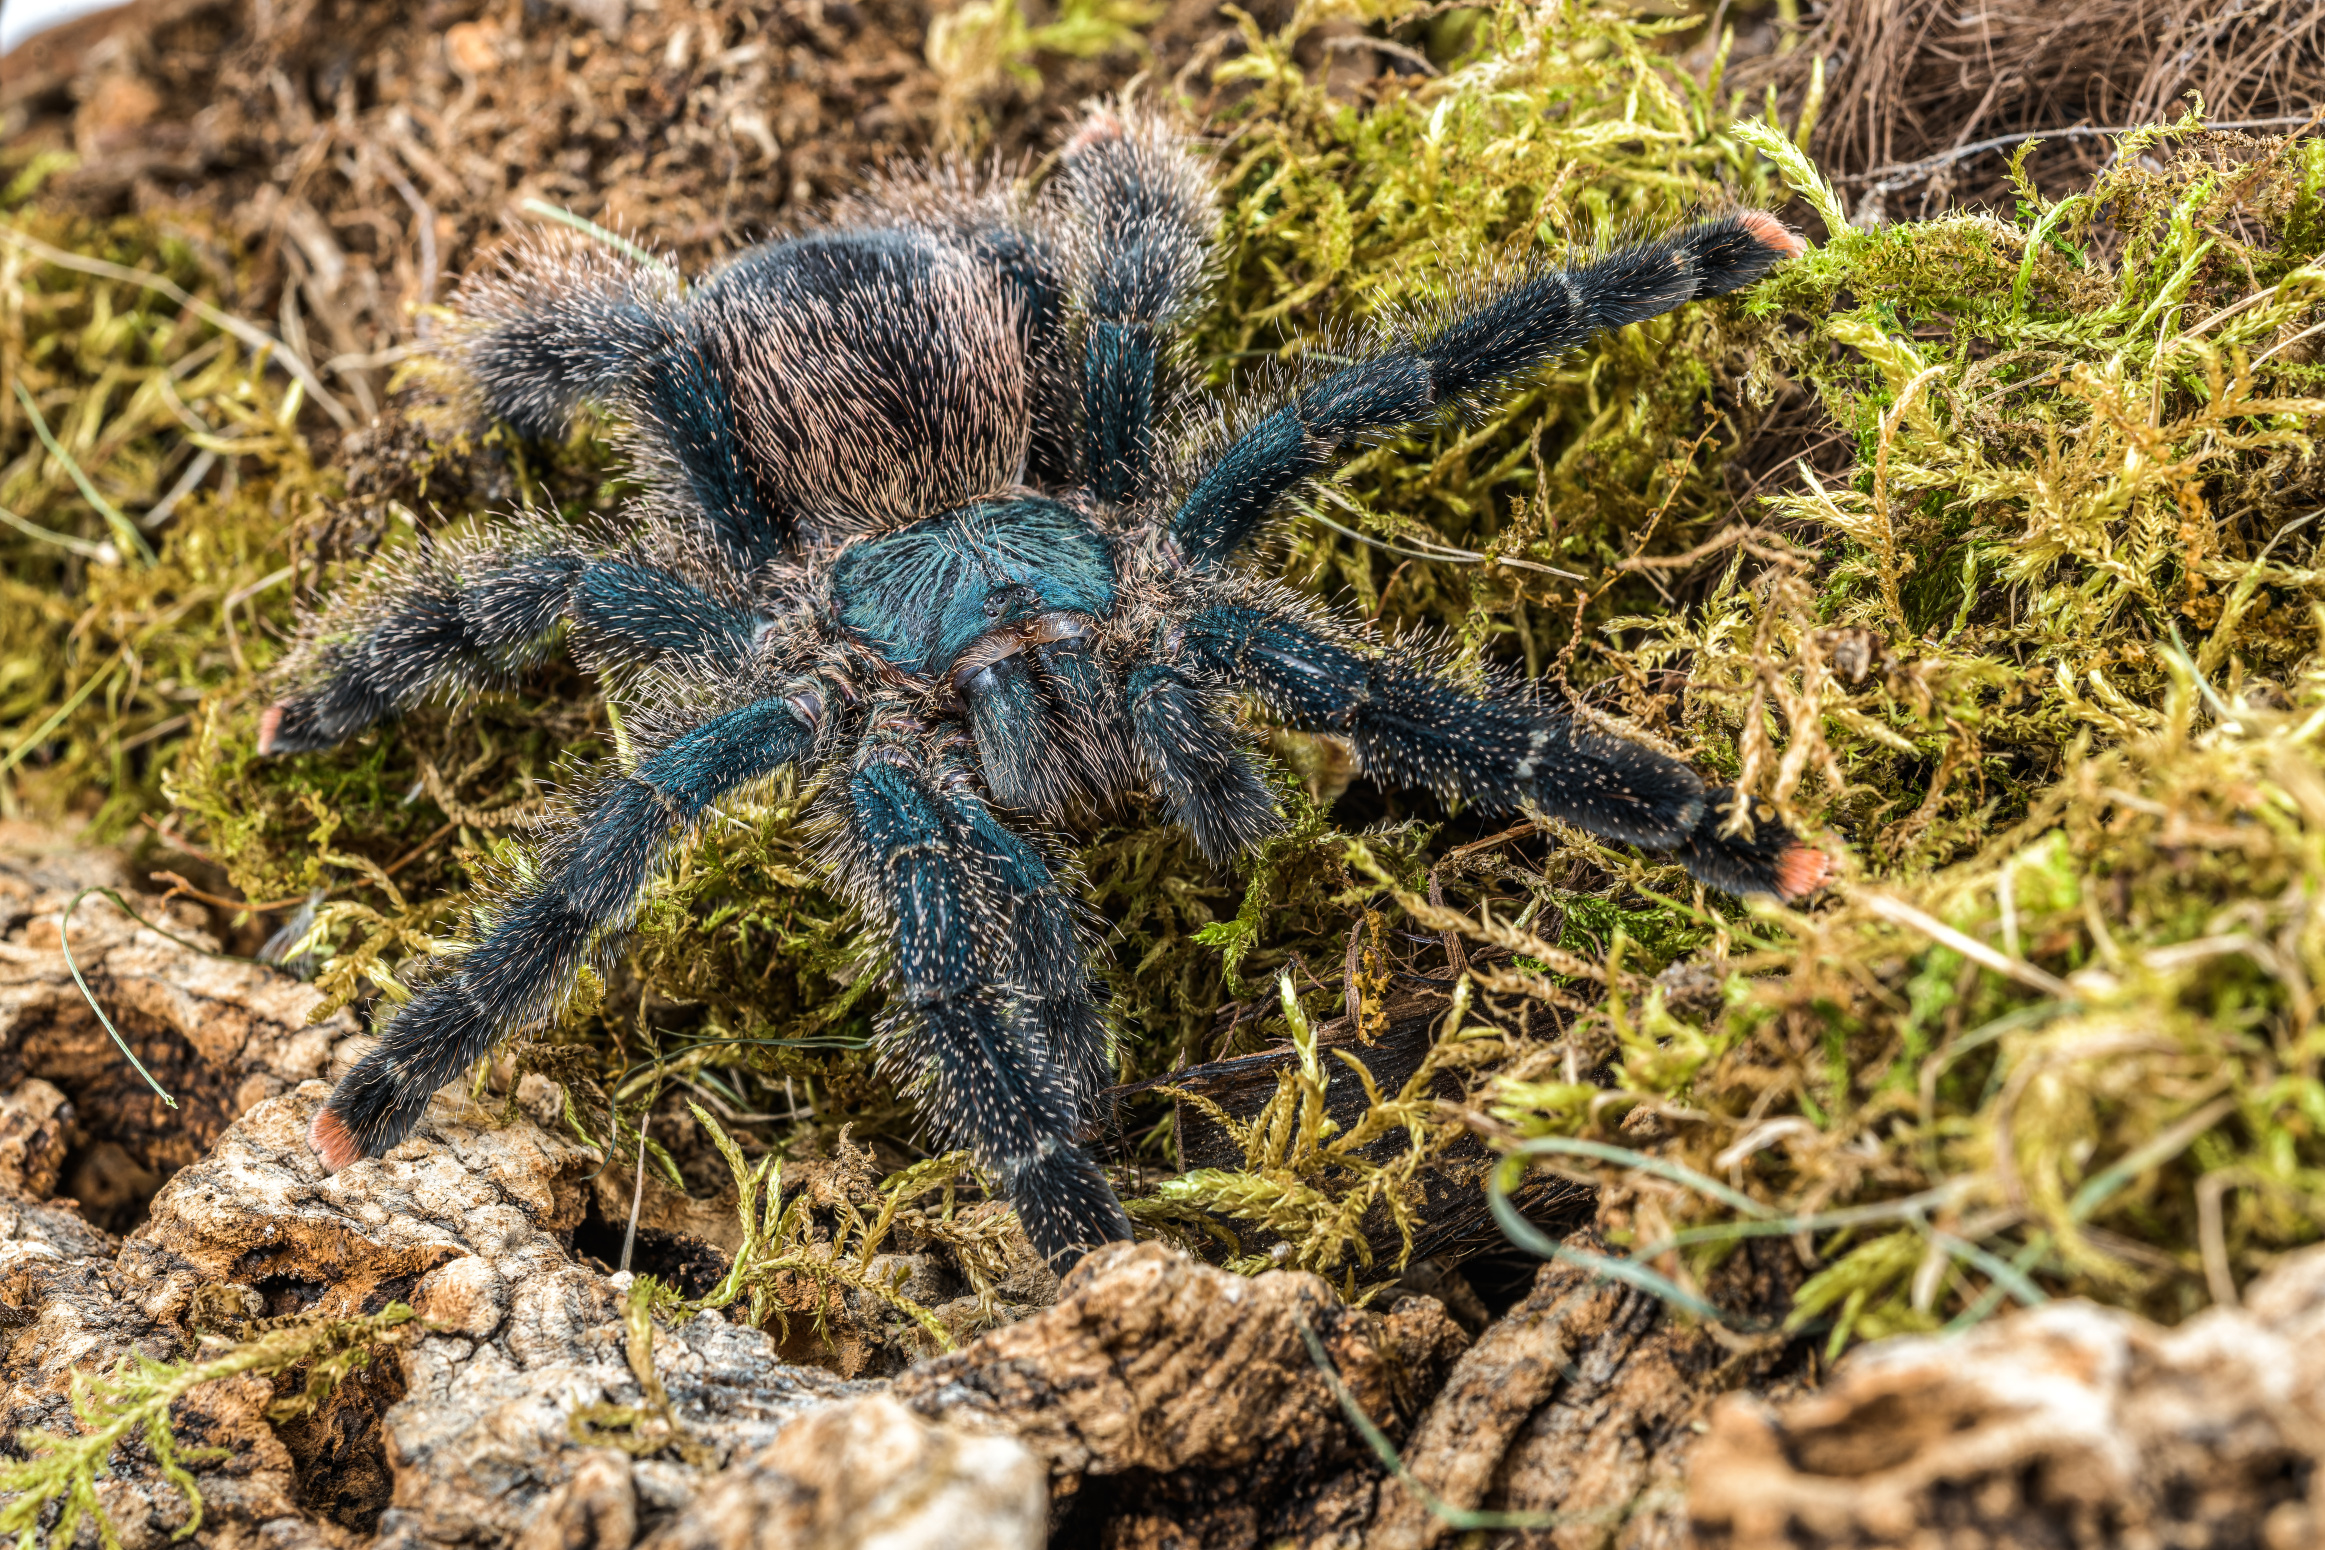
<point x="465" y="616"/>
<point x="1206" y="774"/>
<point x="1047" y="949"/>
<point x="1143" y="209"/>
<point x="585" y="886"/>
<point x="1025" y="767"/>
<point x="1412" y="726"/>
<point x="1086" y="696"/>
<point x="957" y="1016"/>
<point x="1516" y="327"/>
<point x="1032" y="272"/>
<point x="1766" y="860"/>
<point x="1048" y="726"/>
<point x="554" y="322"/>
<point x="819" y="382"/>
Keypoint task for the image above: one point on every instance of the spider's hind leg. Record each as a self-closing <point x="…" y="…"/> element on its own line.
<point x="557" y="321"/>
<point x="965" y="1014"/>
<point x="1142" y="211"/>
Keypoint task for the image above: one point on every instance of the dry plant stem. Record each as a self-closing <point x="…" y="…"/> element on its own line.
<point x="179" y="887"/>
<point x="637" y="1190"/>
<point x="1938" y="931"/>
<point x="103" y="554"/>
<point x="1890" y="179"/>
<point x="1908" y="88"/>
<point x="250" y="334"/>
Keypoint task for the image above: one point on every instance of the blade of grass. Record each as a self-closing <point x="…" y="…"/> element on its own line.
<point x="56" y="718"/>
<point x="132" y="540"/>
<point x="612" y="239"/>
<point x="102" y="554"/>
<point x="2096" y="1192"/>
<point x="1662" y="1168"/>
<point x="1535" y="1241"/>
<point x="65" y="942"/>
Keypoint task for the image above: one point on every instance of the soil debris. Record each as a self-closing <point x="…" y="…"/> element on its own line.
<point x="1917" y="109"/>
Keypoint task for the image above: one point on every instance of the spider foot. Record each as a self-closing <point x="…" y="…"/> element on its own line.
<point x="332" y="1141"/>
<point x="294" y="725"/>
<point x="1770" y="859"/>
<point x="1065" y="1204"/>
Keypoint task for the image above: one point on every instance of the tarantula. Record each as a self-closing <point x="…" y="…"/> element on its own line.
<point x="927" y="522"/>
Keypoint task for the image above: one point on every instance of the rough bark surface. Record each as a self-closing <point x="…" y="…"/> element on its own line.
<point x="219" y="1035"/>
<point x="870" y="1472"/>
<point x="1156" y="1402"/>
<point x="1577" y="1409"/>
<point x="1179" y="1404"/>
<point x="2067" y="1427"/>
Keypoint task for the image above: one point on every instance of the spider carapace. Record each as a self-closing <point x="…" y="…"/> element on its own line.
<point x="933" y="520"/>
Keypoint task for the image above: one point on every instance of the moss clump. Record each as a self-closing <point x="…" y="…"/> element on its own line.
<point x="1983" y="545"/>
<point x="2046" y="654"/>
<point x="2038" y="651"/>
<point x="134" y="1398"/>
<point x="121" y="607"/>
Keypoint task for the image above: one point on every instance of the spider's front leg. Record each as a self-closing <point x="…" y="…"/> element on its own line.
<point x="1413" y="726"/>
<point x="465" y="615"/>
<point x="1513" y="328"/>
<point x="991" y="997"/>
<point x="586" y="884"/>
<point x="1200" y="764"/>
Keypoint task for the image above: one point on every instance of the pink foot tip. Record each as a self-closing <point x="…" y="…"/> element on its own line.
<point x="333" y="1141"/>
<point x="269" y="724"/>
<point x="1773" y="233"/>
<point x="1100" y="126"/>
<point x="1802" y="871"/>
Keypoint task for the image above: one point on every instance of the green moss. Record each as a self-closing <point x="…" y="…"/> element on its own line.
<point x="1983" y="546"/>
<point x="133" y="1399"/>
<point x="104" y="652"/>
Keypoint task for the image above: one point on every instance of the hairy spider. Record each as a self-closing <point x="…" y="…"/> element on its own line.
<point x="923" y="523"/>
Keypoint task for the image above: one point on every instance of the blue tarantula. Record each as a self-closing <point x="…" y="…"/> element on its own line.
<point x="927" y="523"/>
